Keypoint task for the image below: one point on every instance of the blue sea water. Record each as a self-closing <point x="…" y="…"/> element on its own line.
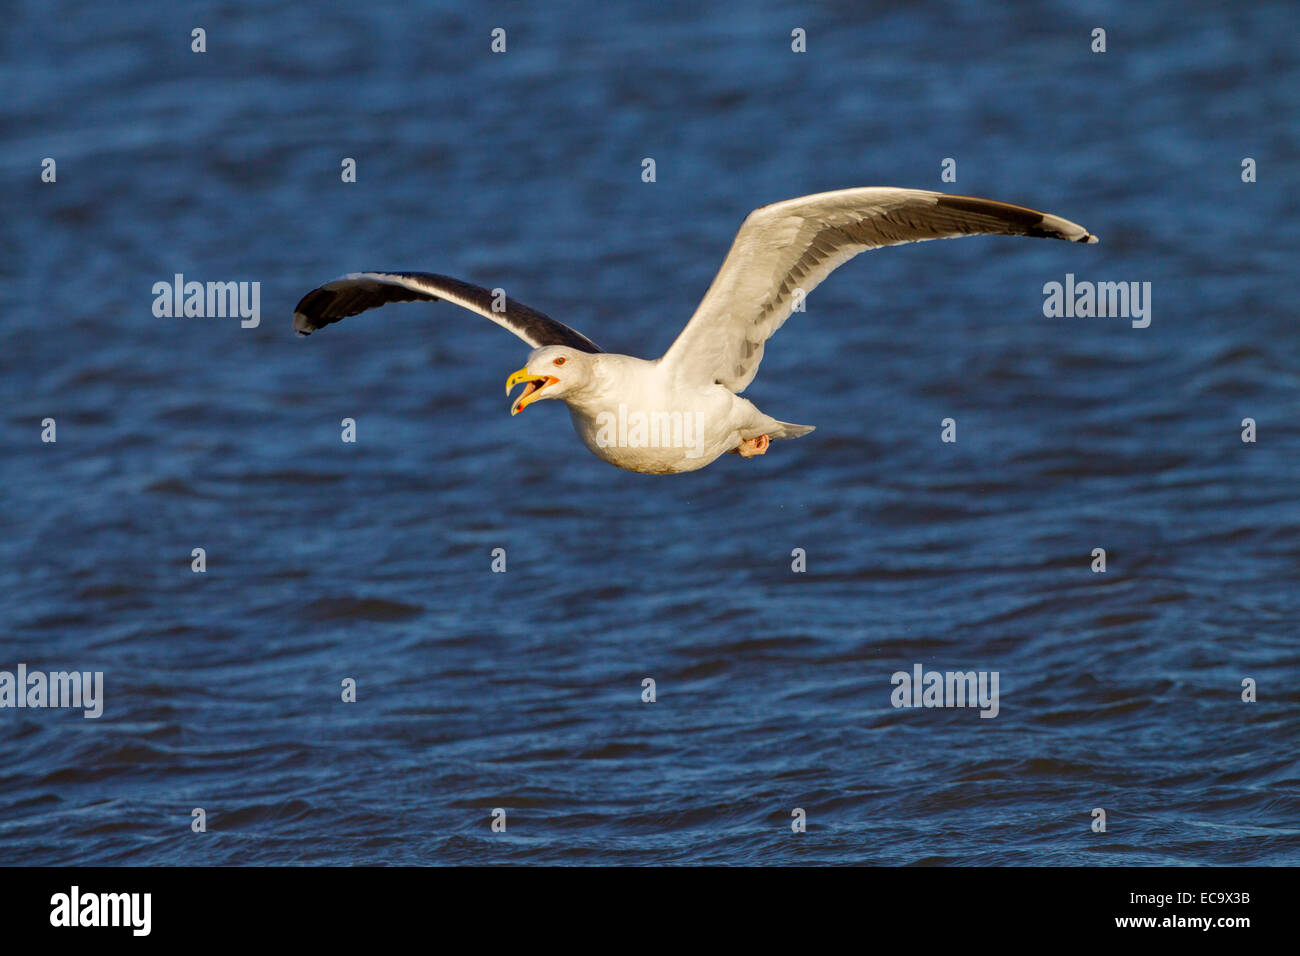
<point x="522" y="691"/>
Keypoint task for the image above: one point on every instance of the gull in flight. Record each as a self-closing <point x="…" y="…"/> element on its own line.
<point x="683" y="410"/>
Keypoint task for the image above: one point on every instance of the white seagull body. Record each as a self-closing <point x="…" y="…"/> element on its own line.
<point x="684" y="410"/>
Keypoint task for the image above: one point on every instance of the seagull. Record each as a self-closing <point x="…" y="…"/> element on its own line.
<point x="683" y="410"/>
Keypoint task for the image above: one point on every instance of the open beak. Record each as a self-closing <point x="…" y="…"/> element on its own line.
<point x="535" y="384"/>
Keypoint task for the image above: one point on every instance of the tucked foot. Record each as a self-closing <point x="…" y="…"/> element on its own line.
<point x="754" y="446"/>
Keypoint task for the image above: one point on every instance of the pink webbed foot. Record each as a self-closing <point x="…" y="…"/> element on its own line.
<point x="754" y="446"/>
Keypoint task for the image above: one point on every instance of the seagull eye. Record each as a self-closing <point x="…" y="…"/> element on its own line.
<point x="560" y="361"/>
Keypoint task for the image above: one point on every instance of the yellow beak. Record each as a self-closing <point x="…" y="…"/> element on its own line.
<point x="530" y="392"/>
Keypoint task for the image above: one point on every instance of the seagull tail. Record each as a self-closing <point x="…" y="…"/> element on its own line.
<point x="790" y="430"/>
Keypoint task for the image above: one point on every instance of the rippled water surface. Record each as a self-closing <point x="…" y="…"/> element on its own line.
<point x="522" y="690"/>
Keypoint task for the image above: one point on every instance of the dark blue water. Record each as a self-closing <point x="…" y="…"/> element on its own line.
<point x="522" y="690"/>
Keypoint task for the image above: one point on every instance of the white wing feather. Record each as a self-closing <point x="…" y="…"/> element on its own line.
<point x="794" y="245"/>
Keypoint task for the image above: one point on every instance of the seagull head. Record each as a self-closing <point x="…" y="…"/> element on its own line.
<point x="552" y="372"/>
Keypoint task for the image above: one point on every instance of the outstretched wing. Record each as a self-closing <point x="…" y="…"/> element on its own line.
<point x="360" y="291"/>
<point x="794" y="245"/>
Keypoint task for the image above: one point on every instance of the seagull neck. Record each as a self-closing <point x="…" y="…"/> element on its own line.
<point x="589" y="398"/>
